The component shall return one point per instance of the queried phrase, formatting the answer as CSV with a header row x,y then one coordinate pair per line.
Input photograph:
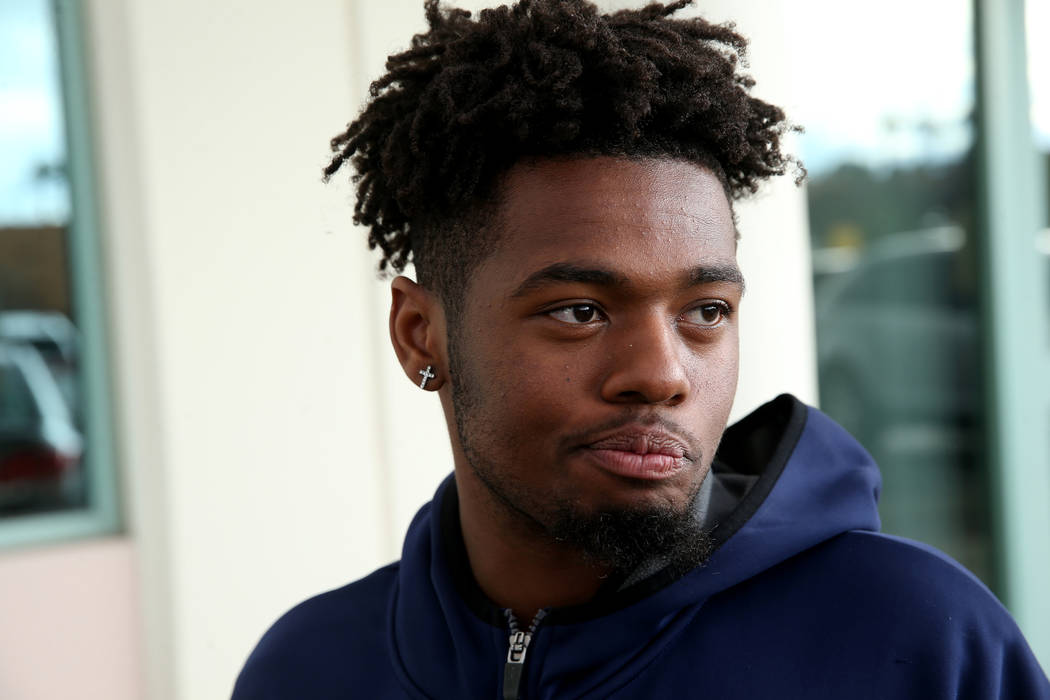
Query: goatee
x,y
628,539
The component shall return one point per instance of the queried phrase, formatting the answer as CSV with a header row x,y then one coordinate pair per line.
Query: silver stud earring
x,y
427,376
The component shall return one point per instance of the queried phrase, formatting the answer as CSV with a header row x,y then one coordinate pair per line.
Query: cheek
x,y
715,388
541,391
724,368
521,396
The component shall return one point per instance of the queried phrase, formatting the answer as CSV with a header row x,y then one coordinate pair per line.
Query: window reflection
x,y
891,199
1037,15
41,441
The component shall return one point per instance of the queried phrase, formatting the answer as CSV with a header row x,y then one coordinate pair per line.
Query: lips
x,y
640,453
642,443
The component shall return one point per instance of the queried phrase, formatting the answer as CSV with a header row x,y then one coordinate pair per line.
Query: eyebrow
x,y
569,272
708,274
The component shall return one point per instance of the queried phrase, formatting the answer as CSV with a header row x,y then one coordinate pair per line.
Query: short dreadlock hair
x,y
541,79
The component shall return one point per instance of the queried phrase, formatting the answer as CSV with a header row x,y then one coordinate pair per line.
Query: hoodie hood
x,y
796,479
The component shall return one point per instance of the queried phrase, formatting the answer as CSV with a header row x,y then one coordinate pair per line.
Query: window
x,y
890,146
1037,14
56,467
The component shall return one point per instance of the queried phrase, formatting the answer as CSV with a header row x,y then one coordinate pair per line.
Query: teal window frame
x,y
101,516
1016,313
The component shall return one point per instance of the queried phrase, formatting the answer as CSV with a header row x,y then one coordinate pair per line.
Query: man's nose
x,y
647,364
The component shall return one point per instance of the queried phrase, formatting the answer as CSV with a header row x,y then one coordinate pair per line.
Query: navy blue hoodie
x,y
802,598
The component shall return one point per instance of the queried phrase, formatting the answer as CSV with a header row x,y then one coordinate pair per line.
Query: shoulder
x,y
915,606
311,646
862,615
902,582
888,586
345,610
873,615
940,615
908,572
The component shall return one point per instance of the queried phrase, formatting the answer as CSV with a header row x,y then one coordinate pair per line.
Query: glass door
x,y
890,146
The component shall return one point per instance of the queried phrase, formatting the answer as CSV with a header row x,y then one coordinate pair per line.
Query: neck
x,y
517,565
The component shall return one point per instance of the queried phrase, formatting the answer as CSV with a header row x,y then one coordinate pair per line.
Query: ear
x,y
417,332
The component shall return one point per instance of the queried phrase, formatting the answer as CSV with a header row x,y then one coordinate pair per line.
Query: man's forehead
x,y
636,203
558,206
652,224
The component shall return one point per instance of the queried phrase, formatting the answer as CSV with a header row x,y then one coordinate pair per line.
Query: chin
x,y
624,537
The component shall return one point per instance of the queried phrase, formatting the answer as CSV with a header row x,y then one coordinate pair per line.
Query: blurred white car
x,y
898,336
56,339
40,448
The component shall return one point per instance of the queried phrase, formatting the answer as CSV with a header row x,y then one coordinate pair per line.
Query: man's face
x,y
595,361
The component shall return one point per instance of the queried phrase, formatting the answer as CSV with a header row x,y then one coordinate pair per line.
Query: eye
x,y
577,314
709,314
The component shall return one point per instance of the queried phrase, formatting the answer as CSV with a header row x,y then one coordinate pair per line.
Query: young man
x,y
562,181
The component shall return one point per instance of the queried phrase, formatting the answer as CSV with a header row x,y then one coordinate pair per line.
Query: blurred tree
x,y
874,203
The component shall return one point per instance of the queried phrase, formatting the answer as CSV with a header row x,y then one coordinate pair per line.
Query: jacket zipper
x,y
514,669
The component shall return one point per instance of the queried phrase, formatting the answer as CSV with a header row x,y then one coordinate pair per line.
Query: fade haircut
x,y
541,79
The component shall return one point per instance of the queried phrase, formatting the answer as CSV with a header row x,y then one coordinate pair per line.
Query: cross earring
x,y
427,376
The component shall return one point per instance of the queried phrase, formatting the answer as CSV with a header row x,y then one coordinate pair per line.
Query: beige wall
x,y
271,446
69,625
242,272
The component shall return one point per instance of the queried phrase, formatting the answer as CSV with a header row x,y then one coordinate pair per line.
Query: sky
x,y
882,84
31,131
892,82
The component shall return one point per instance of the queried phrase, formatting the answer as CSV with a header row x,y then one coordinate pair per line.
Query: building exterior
x,y
252,441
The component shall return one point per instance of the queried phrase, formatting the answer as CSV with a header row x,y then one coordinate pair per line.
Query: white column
x,y
243,320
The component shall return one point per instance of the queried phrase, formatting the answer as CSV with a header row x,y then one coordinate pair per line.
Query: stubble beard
x,y
621,538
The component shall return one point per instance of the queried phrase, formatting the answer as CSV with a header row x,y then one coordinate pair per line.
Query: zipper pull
x,y
514,669
515,666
